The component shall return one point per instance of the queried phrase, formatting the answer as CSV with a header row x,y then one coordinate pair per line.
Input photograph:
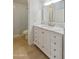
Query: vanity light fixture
x,y
50,2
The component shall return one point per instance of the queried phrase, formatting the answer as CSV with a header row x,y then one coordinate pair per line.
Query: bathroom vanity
x,y
49,40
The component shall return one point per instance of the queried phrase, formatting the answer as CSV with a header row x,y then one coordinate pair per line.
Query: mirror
x,y
53,14
47,14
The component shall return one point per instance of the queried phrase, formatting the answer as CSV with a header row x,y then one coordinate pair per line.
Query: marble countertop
x,y
52,28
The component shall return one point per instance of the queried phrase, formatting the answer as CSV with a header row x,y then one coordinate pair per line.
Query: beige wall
x,y
20,18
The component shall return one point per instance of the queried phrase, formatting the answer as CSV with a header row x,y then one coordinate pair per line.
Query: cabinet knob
x,y
42,46
54,43
54,49
42,32
54,36
54,56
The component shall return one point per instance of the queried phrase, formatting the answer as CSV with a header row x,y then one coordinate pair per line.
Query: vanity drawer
x,y
56,53
55,35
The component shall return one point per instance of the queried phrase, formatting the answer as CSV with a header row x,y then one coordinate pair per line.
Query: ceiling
x,y
21,1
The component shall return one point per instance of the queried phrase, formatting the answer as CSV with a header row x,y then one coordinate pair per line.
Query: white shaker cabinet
x,y
41,40
45,42
37,37
50,42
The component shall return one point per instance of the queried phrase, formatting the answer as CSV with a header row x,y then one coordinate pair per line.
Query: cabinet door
x,y
36,35
45,42
41,39
40,36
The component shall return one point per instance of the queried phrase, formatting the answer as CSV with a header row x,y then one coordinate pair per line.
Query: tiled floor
x,y
21,50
